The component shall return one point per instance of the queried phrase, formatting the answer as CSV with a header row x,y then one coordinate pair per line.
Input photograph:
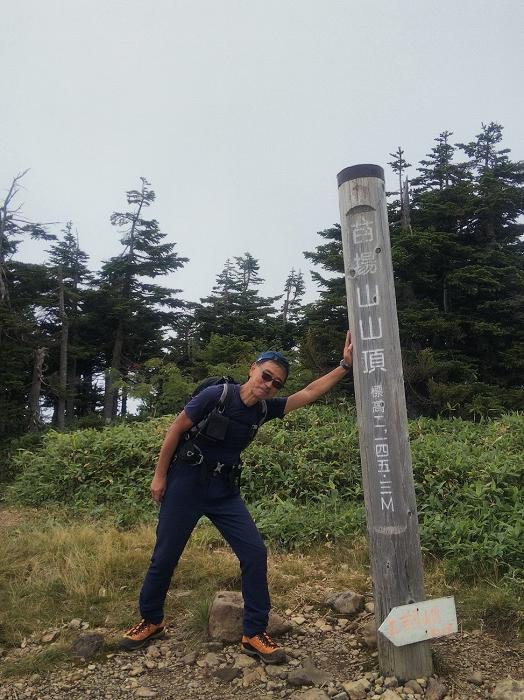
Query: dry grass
x,y
53,569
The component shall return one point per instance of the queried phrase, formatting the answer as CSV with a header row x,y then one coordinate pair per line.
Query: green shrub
x,y
468,480
9,467
309,454
94,471
302,481
293,525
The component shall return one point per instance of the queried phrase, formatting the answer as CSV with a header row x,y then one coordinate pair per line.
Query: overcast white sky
x,y
239,112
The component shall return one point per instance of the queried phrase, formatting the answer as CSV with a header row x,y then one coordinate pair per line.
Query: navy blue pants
x,y
185,501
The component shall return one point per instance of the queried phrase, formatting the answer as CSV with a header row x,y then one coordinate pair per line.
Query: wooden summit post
x,y
389,492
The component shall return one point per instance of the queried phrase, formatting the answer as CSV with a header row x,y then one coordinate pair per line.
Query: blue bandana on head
x,y
274,356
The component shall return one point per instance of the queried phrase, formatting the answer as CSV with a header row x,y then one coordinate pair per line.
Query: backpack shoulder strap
x,y
223,398
227,396
219,406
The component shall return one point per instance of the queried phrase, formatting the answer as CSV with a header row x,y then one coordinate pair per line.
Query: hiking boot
x,y
141,634
262,646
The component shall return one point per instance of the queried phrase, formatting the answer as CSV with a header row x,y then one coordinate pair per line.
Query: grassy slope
x,y
54,568
302,481
69,556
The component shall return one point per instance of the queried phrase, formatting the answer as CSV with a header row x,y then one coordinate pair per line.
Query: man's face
x,y
267,379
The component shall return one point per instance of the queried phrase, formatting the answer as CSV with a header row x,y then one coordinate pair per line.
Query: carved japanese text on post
x,y
365,260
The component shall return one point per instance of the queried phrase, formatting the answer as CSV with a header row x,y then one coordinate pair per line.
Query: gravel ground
x,y
327,656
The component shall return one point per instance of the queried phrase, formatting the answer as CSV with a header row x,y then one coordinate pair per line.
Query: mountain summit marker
x,y
387,477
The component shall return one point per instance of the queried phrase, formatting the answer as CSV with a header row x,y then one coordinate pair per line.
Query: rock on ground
x,y
508,690
331,656
390,695
436,690
345,602
308,674
86,646
312,694
225,618
357,690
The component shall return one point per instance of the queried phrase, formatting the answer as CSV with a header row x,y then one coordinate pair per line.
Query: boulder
x,y
390,695
225,618
308,674
345,602
311,694
253,676
369,634
357,690
190,658
49,637
415,687
227,674
436,690
476,678
391,682
210,659
86,646
244,661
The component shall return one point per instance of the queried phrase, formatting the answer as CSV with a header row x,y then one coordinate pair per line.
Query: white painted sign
x,y
407,624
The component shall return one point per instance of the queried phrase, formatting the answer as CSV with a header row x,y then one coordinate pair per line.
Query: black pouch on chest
x,y
216,427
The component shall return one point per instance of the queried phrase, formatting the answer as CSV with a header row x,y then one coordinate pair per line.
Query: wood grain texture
x,y
387,476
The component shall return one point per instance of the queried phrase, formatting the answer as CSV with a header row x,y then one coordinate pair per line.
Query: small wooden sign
x,y
407,624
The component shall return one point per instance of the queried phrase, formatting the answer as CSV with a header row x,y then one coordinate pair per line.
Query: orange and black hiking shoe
x,y
141,634
264,647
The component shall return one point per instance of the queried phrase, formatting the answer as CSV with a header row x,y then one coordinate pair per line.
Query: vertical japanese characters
x,y
364,265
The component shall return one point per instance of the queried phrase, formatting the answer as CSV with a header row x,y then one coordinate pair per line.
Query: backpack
x,y
213,426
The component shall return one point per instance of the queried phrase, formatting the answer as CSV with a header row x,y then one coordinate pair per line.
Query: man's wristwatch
x,y
344,366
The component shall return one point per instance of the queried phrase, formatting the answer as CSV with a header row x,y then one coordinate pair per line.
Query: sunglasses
x,y
267,377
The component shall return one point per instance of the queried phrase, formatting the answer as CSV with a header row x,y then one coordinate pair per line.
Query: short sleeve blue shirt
x,y
239,429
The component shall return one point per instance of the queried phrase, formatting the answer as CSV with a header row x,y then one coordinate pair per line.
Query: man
x,y
201,480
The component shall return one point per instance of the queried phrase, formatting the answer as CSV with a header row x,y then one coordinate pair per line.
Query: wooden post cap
x,y
363,170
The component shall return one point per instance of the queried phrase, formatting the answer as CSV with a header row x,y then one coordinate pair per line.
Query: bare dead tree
x,y
7,219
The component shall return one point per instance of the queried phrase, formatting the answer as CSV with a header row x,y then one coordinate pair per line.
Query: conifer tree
x,y
436,172
293,292
135,305
443,192
399,165
459,278
13,228
68,268
23,345
291,312
497,181
181,348
235,306
326,319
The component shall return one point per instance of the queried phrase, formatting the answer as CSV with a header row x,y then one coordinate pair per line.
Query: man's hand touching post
x,y
347,354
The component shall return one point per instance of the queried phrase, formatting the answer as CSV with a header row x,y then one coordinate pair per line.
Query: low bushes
x,y
97,472
302,481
